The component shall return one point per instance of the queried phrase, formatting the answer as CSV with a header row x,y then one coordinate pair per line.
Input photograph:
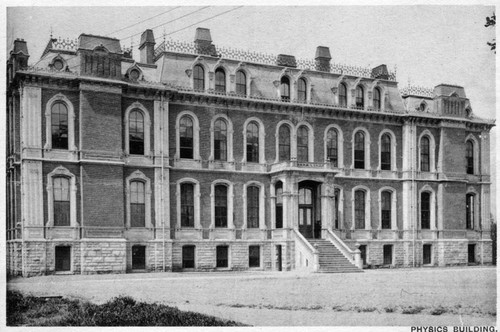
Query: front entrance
x,y
138,257
309,212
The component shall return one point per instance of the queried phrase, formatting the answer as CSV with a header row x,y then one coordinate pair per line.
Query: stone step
x,y
331,260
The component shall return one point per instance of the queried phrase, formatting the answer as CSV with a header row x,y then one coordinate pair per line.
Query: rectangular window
x,y
386,210
254,256
188,253
425,210
222,254
220,206
385,161
427,254
63,258
469,208
471,253
387,254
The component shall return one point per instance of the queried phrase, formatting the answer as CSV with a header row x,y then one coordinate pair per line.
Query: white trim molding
x,y
230,199
262,202
368,220
196,134
196,194
477,222
139,176
61,171
340,144
71,121
147,127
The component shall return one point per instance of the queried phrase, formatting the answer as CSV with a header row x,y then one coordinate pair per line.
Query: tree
x,y
490,22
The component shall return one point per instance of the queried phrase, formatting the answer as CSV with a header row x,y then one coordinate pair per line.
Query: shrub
x,y
438,311
412,310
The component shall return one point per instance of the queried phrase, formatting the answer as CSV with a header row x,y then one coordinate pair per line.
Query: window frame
x,y
302,156
340,144
393,215
360,100
392,150
262,202
141,177
356,152
342,95
61,171
367,210
251,189
218,87
196,201
60,98
196,135
262,135
302,81
229,201
136,106
285,95
197,79
238,85
58,222
259,248
432,146
470,210
279,143
377,102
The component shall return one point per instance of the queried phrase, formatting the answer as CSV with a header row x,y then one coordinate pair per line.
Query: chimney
x,y
203,42
323,58
380,72
147,47
19,54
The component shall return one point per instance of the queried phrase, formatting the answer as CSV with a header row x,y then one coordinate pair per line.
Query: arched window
x,y
253,142
301,90
342,95
186,137
59,126
198,78
360,98
284,143
253,207
359,150
220,140
376,99
332,147
424,154
359,209
241,83
285,89
385,152
386,201
137,204
220,80
425,210
470,157
220,206
187,205
302,144
279,204
136,132
469,208
61,201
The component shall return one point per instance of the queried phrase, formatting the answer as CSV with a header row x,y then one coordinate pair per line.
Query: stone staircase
x,y
331,260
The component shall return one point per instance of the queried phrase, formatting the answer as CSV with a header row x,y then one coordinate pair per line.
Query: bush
x,y
412,310
438,311
120,311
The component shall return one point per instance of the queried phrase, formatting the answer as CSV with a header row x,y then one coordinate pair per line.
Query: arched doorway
x,y
309,209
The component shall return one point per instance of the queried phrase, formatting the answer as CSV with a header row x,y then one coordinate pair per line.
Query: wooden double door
x,y
309,210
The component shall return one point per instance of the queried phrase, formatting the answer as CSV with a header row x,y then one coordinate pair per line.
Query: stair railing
x,y
354,256
309,253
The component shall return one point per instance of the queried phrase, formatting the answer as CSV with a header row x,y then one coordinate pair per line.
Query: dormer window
x,y
422,107
134,75
301,90
58,64
220,80
285,89
360,100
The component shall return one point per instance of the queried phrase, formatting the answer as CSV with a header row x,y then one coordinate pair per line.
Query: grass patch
x,y
120,311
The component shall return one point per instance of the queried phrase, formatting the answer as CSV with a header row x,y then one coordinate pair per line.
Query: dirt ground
x,y
462,296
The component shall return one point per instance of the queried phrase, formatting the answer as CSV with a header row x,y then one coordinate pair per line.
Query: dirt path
x,y
268,298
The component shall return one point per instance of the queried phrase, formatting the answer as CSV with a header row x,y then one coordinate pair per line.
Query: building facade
x,y
200,157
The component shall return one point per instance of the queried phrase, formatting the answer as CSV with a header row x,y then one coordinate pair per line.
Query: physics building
x,y
198,157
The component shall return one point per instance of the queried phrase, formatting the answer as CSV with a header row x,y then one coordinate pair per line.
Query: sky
x,y
428,45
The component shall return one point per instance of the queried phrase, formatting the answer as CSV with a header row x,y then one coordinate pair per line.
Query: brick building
x,y
200,157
